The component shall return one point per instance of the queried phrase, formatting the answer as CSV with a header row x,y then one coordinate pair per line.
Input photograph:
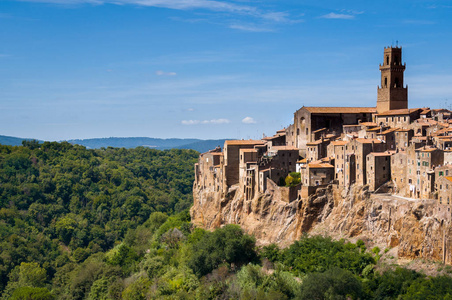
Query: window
x,y
384,168
441,173
387,59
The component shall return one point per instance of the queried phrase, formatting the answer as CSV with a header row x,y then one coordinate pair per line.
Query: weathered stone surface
x,y
380,219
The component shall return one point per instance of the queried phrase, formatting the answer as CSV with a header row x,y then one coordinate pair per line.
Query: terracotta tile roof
x,y
248,150
314,143
425,111
244,142
303,161
367,141
316,166
368,124
403,129
281,131
319,130
287,148
340,110
396,112
374,129
380,154
388,131
427,149
217,153
339,143
448,178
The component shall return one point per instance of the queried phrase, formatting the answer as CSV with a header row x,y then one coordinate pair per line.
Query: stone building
x,y
209,170
444,188
388,137
401,118
319,174
399,172
310,119
378,168
232,158
361,148
316,150
337,150
422,175
402,138
391,94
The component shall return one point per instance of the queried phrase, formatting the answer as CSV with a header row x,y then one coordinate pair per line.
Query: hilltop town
x,y
389,149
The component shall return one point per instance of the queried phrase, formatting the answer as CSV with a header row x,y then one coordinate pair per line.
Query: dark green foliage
x,y
225,245
318,254
334,283
271,252
431,288
392,283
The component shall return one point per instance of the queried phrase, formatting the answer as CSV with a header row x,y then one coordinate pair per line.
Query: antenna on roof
x,y
397,43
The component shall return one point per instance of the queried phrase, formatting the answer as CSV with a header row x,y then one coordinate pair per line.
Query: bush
x,y
334,283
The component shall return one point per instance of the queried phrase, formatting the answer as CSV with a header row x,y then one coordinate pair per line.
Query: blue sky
x,y
207,69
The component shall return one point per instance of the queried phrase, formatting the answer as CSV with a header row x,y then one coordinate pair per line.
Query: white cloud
x,y
190,122
249,120
162,73
338,16
250,28
213,121
212,5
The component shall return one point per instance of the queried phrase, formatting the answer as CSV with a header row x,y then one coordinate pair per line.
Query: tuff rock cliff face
x,y
413,227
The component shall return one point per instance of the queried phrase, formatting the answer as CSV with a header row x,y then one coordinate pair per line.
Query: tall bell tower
x,y
391,93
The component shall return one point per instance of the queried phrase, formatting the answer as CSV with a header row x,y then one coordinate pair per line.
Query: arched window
x,y
387,59
386,81
396,82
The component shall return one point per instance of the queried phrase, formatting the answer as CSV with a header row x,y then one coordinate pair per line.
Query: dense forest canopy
x,y
114,224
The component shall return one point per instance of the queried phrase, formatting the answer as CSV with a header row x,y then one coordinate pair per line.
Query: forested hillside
x,y
114,224
61,203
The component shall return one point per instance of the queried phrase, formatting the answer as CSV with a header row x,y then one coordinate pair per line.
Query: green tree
x,y
225,245
334,283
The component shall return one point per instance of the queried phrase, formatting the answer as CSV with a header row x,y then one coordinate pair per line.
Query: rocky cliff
x,y
416,228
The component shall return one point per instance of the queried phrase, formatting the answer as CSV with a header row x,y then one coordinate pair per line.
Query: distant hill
x,y
131,142
160,144
12,141
203,145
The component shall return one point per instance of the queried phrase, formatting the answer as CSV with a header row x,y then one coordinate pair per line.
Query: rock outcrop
x,y
414,227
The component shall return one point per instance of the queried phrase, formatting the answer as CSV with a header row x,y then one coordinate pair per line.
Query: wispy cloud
x,y
250,28
204,122
419,22
162,73
208,5
333,15
249,120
